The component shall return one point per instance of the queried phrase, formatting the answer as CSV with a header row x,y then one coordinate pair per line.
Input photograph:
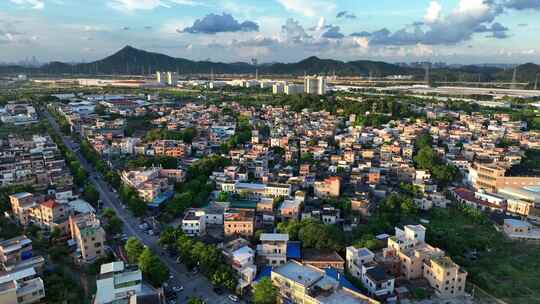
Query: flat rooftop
x,y
299,273
342,296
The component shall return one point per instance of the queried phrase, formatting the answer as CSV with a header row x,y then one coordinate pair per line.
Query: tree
x,y
137,206
133,248
168,236
151,266
114,225
108,213
193,300
224,277
264,292
90,194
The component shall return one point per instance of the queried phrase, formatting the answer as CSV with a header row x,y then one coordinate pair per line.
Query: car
x,y
178,260
218,290
234,298
178,288
171,277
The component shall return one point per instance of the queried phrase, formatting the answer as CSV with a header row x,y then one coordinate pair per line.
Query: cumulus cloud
x,y
212,24
470,17
332,32
523,4
293,31
35,4
433,12
346,15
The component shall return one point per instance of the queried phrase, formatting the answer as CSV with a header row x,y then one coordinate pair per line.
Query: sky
x,y
452,31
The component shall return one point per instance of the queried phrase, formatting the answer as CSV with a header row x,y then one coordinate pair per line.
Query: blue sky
x,y
455,31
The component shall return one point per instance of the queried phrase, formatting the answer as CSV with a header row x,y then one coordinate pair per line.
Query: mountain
x,y
133,61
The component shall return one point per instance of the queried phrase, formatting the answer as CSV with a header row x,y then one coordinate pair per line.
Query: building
x,y
117,282
15,250
445,276
18,114
315,85
257,191
46,215
273,248
330,187
194,222
238,222
242,258
323,259
152,185
290,209
89,237
492,177
21,286
521,230
293,89
355,258
278,88
167,78
298,283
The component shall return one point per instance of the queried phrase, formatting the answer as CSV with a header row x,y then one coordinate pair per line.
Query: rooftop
x,y
276,237
301,274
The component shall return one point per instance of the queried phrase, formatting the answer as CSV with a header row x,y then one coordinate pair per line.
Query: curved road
x,y
194,285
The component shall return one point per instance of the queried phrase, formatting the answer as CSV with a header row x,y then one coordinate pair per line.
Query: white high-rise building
x,y
167,78
278,88
315,85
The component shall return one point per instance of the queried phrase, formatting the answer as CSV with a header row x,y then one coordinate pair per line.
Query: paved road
x,y
194,285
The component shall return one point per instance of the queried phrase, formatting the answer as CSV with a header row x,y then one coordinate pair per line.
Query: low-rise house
x,y
153,185
323,259
273,248
242,259
15,250
21,286
290,209
521,230
194,222
330,187
238,222
117,282
298,283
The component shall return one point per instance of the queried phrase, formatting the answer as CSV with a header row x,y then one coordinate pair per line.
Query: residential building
x,y
21,286
238,222
242,259
298,283
257,191
116,282
323,259
315,85
89,237
330,187
15,250
194,222
273,248
445,276
153,184
521,230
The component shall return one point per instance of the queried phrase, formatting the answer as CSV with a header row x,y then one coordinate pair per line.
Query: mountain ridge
x,y
133,61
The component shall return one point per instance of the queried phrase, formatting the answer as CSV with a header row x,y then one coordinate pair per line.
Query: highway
x,y
195,285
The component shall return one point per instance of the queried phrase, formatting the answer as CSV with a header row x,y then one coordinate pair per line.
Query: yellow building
x,y
445,276
89,236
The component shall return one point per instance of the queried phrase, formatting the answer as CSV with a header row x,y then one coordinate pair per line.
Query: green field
x,y
508,270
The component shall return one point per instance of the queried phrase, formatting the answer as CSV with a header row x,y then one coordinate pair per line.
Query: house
x,y
242,259
15,250
445,276
521,230
290,209
238,222
194,222
355,258
330,187
117,282
273,248
377,281
22,286
323,259
299,283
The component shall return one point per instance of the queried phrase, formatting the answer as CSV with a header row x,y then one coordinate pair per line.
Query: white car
x,y
233,298
178,288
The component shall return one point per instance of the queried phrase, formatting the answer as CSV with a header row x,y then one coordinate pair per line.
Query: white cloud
x,y
433,13
35,4
308,8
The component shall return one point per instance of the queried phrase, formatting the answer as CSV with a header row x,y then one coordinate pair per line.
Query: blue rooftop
x,y
293,250
264,273
333,273
160,199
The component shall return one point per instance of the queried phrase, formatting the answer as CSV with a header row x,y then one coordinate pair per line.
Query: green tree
x,y
152,268
90,194
264,292
108,213
114,225
193,300
133,248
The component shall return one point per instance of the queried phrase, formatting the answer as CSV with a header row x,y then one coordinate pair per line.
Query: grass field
x,y
508,270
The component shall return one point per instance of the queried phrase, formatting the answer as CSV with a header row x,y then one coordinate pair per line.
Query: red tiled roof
x,y
468,195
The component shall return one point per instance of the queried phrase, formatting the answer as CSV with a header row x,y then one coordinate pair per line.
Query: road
x,y
194,285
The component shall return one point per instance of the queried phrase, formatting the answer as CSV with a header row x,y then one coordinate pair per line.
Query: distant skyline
x,y
453,31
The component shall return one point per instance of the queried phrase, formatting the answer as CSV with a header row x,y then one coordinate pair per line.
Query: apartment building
x,y
298,283
238,222
46,215
491,177
194,222
15,250
445,276
273,248
153,184
330,187
89,236
171,148
117,282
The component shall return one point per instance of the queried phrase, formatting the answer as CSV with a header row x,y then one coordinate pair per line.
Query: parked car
x,y
234,298
218,290
178,288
